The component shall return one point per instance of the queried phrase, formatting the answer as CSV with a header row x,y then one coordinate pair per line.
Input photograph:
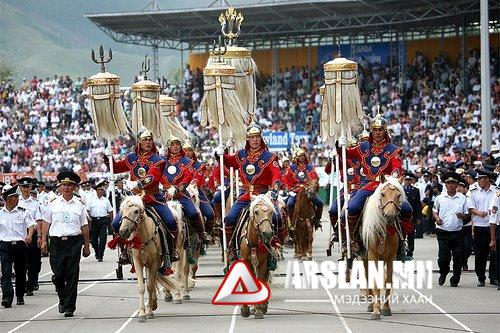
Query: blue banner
x,y
282,141
370,52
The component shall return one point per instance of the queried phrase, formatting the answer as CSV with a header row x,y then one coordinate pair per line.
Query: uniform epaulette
x,y
54,198
473,189
21,208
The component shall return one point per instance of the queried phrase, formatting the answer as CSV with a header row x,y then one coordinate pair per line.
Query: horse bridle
x,y
138,221
389,202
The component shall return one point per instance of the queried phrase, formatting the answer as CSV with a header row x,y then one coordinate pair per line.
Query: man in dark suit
x,y
413,197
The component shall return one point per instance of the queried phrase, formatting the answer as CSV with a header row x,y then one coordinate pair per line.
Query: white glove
x,y
332,154
292,193
108,152
343,141
171,191
220,150
230,143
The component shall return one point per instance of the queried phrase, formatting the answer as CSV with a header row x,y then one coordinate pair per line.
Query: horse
x,y
302,219
136,224
256,245
381,233
193,192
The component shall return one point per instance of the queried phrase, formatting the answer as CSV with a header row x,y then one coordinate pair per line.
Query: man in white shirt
x,y
450,212
101,213
495,232
479,205
65,220
16,231
34,256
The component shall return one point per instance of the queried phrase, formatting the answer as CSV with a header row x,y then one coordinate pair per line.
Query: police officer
x,y
479,204
65,221
101,213
495,232
34,256
413,197
14,222
450,212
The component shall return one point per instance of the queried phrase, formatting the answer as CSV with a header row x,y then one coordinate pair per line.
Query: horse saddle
x,y
166,237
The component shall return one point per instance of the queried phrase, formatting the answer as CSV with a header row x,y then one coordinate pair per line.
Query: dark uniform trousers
x,y
450,244
33,263
481,251
98,232
65,254
498,256
468,243
13,253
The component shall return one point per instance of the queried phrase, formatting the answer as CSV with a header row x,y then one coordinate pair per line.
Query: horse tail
x,y
168,283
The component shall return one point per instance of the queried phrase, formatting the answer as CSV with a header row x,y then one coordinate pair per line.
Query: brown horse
x,y
255,245
380,233
302,220
136,223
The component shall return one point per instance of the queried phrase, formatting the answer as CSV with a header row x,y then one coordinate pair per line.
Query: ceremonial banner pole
x,y
346,197
107,114
221,109
231,176
339,209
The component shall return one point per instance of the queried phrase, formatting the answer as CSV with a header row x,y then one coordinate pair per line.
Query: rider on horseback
x,y
198,169
176,177
145,166
299,173
378,157
355,176
259,173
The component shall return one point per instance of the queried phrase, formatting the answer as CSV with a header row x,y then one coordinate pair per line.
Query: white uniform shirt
x,y
32,205
13,224
99,207
447,207
495,218
421,185
481,200
66,218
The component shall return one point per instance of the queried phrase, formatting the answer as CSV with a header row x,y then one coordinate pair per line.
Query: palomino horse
x,y
137,224
193,192
302,220
256,245
380,233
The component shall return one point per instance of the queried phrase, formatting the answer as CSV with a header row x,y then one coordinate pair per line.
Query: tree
x,y
7,71
175,76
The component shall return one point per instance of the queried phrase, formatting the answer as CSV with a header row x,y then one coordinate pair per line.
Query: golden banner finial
x,y
230,22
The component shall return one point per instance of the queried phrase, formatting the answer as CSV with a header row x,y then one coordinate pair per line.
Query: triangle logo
x,y
240,287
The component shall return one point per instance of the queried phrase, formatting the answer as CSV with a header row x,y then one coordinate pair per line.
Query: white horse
x,y
147,253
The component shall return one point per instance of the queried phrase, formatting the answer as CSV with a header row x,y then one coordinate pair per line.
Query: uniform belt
x,y
256,188
152,191
352,187
13,242
375,179
99,218
65,238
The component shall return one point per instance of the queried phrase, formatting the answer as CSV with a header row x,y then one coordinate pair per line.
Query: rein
x,y
137,223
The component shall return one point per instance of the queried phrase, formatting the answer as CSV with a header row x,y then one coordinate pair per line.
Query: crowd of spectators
x,y
45,124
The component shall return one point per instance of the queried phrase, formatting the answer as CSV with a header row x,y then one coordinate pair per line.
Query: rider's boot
x,y
123,259
200,230
356,243
282,235
231,252
333,221
290,216
318,212
175,251
218,212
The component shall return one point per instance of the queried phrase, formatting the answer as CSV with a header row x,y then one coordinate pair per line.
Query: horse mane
x,y
132,200
374,222
261,198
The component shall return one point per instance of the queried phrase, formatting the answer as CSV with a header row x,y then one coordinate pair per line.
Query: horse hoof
x,y
386,312
375,316
186,298
177,301
264,308
168,298
142,319
258,315
150,315
369,308
245,311
252,311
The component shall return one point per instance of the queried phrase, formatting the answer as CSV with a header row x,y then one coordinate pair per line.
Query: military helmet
x,y
378,122
364,135
173,139
145,134
300,152
254,129
187,145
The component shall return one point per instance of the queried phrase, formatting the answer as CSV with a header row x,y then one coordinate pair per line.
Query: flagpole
x,y
339,209
346,198
223,200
